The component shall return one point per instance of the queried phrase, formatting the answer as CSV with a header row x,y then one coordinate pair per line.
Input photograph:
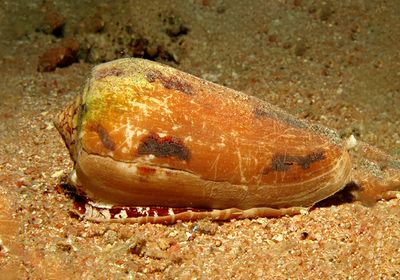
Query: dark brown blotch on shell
x,y
168,146
170,82
82,110
105,139
260,113
105,72
283,163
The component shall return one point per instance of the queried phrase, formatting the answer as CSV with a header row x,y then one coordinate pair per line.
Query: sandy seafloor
x,y
333,62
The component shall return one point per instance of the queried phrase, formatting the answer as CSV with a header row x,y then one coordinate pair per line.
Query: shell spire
x,y
66,123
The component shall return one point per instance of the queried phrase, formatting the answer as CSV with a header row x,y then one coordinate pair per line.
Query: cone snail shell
x,y
152,143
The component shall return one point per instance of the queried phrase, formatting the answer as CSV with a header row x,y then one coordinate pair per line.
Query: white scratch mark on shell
x,y
214,166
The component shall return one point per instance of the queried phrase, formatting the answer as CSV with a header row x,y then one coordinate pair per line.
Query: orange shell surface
x,y
148,134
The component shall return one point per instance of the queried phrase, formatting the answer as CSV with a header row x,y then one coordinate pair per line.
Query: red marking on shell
x,y
80,206
154,211
144,170
168,146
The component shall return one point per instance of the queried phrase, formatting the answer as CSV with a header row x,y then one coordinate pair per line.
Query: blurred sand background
x,y
333,62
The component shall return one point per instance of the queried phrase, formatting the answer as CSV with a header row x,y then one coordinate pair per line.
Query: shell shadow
x,y
346,195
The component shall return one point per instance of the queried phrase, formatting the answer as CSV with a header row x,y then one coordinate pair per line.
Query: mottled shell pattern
x,y
152,143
